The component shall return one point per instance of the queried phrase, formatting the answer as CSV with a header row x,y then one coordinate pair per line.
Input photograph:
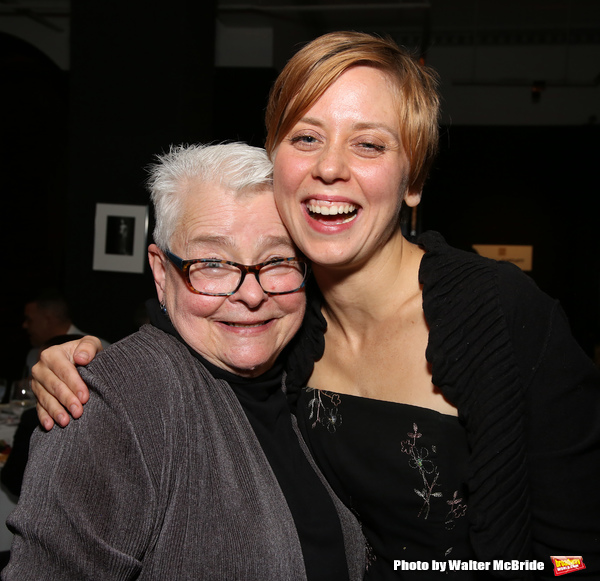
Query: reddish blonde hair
x,y
313,69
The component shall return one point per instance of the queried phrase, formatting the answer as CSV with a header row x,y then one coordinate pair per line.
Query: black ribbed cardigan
x,y
501,351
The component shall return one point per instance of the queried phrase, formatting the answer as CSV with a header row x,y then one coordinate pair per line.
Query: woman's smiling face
x,y
341,173
245,332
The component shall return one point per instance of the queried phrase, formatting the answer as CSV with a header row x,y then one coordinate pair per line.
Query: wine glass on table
x,y
21,395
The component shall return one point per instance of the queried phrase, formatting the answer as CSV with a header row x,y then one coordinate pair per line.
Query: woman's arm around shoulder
x,y
56,383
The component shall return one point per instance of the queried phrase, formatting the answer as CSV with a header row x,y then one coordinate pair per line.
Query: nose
x,y
250,292
332,164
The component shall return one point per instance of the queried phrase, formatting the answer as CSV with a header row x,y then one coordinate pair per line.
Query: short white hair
x,y
235,166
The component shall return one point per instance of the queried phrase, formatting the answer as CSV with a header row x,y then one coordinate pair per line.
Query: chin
x,y
327,253
248,370
250,358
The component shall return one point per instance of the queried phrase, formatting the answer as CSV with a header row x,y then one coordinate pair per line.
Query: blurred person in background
x,y
45,317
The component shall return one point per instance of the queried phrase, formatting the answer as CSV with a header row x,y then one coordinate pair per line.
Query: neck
x,y
373,290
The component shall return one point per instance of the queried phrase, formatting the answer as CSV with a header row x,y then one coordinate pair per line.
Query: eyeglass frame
x,y
184,267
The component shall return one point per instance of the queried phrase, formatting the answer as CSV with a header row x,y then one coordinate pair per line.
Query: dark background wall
x,y
140,80
33,187
132,94
533,186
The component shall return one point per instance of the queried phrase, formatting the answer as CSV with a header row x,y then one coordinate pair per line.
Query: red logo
x,y
564,565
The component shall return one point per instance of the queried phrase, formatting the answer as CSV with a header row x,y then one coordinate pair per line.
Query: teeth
x,y
330,209
244,326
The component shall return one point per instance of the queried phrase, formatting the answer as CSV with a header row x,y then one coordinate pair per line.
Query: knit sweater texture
x,y
161,478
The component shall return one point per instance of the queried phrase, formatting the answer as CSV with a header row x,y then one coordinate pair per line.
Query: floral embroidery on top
x,y
427,469
430,474
456,511
325,412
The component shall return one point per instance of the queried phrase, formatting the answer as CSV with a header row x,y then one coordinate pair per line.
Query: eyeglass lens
x,y
219,278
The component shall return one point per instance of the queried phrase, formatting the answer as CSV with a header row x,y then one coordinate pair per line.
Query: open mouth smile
x,y
339,212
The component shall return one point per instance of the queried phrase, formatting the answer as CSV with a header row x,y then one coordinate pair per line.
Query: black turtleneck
x,y
267,410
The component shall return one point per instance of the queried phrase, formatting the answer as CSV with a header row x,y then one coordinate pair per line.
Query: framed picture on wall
x,y
120,237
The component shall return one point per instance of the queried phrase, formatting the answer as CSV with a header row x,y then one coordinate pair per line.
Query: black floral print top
x,y
401,469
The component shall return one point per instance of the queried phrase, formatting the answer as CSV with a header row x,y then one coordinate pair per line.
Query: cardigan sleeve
x,y
86,507
562,429
502,352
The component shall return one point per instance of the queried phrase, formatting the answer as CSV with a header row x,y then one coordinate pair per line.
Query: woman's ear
x,y
158,264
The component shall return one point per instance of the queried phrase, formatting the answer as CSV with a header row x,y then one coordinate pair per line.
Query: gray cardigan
x,y
161,478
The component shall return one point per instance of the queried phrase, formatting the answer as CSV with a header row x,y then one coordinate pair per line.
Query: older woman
x,y
214,482
449,405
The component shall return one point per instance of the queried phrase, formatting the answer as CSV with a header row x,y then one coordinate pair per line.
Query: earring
x,y
163,308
